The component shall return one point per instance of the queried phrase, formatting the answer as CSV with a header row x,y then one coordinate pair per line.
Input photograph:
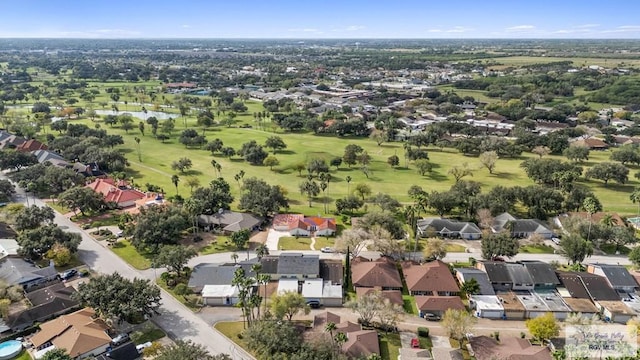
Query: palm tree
x,y
216,165
341,338
264,280
330,327
234,257
175,179
608,220
261,251
592,206
635,198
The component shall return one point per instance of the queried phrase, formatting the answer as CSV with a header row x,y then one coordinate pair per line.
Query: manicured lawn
x,y
324,242
221,245
425,342
232,329
389,346
537,249
24,355
455,248
149,333
57,207
409,305
292,243
128,253
611,249
157,157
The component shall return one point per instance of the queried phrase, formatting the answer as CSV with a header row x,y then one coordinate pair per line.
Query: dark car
x,y
68,274
314,304
431,317
120,339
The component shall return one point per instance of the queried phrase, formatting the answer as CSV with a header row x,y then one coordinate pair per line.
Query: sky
x,y
313,19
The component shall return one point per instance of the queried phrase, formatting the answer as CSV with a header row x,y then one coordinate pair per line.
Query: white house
x,y
486,306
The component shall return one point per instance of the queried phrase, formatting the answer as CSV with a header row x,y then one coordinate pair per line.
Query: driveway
x,y
273,237
175,319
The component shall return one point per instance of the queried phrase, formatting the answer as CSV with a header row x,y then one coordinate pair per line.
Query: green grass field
x,y
537,249
577,61
455,248
292,243
389,346
128,253
231,329
157,157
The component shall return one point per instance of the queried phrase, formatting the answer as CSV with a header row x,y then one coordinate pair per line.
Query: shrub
x,y
423,332
182,289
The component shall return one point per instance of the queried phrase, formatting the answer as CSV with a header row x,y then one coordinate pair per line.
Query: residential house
x,y
9,247
430,279
127,351
437,305
583,285
465,274
118,193
486,306
16,271
520,277
213,282
381,273
44,156
542,274
230,221
615,311
617,276
31,145
510,348
89,170
521,228
497,273
583,306
592,143
217,295
552,301
324,292
299,225
445,353
513,308
361,343
10,141
393,296
332,270
597,217
448,228
81,334
46,303
297,265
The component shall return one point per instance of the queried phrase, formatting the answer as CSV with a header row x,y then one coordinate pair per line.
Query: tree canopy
x,y
158,225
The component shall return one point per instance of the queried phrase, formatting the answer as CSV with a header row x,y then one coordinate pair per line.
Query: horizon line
x,y
302,38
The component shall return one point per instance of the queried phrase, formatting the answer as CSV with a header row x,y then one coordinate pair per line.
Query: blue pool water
x,y
9,349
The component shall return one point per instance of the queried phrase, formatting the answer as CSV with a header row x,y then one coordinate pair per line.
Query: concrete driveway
x,y
273,237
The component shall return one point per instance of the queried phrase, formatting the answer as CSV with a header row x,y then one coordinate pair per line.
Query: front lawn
x,y
389,346
192,301
323,242
128,253
610,249
537,249
149,333
455,248
233,330
292,243
221,244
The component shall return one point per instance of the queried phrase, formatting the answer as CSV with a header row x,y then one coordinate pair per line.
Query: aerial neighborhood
x,y
322,200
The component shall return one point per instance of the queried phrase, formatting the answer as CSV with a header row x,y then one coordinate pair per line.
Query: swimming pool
x,y
9,349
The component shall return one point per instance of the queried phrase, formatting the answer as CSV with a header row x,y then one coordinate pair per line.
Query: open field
x,y
128,253
157,157
577,61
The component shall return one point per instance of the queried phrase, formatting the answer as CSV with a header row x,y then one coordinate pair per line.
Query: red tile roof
x,y
509,348
434,276
112,193
321,223
31,145
298,224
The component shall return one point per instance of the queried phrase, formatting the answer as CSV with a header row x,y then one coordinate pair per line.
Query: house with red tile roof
x,y
432,278
31,145
119,193
299,225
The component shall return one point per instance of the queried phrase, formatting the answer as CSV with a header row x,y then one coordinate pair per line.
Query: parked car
x,y
314,304
120,339
431,317
415,343
556,240
68,274
328,250
143,346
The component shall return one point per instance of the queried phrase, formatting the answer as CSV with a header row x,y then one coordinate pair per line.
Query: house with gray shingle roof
x,y
617,276
448,228
542,274
521,228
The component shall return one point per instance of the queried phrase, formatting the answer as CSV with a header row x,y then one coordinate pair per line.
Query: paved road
x,y
176,320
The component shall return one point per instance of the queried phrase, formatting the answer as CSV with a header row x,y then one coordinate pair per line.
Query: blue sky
x,y
320,19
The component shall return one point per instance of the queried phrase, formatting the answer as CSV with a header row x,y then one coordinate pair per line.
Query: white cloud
x,y
520,28
623,29
185,26
306,30
355,27
453,30
586,26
